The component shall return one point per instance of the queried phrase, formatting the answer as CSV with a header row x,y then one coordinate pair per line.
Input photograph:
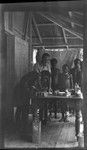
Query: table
x,y
72,100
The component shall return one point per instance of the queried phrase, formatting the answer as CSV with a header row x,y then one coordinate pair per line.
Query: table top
x,y
51,96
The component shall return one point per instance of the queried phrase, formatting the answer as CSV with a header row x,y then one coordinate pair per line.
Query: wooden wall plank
x,y
84,82
21,58
30,50
10,68
2,76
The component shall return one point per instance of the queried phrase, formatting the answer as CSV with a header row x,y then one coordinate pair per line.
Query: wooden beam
x,y
65,20
61,24
70,20
10,21
36,27
71,5
70,14
78,20
45,24
61,46
45,6
56,37
65,38
48,38
2,76
84,81
79,13
52,24
25,25
30,51
59,38
17,30
9,32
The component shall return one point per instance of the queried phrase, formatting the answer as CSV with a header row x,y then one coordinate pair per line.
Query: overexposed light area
x,y
34,56
81,54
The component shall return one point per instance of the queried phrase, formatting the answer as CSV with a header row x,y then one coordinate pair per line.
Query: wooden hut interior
x,y
57,28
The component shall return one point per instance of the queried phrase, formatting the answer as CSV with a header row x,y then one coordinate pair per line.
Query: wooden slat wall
x,y
85,77
17,48
10,68
2,76
16,63
21,58
30,48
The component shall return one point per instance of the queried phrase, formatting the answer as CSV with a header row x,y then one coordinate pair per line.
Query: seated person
x,y
66,84
23,92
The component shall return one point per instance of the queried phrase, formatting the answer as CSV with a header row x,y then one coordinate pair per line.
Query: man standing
x,y
66,84
44,70
55,84
77,73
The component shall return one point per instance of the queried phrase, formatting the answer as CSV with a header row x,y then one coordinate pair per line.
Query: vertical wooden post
x,y
84,82
1,133
10,75
30,52
2,75
10,21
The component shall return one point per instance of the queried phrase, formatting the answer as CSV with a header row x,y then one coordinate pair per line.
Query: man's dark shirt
x,y
66,81
55,75
45,80
77,76
24,90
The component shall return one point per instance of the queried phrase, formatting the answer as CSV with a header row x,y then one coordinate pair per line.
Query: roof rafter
x,y
61,24
70,14
70,20
10,21
65,38
65,18
37,29
58,46
45,24
79,13
26,22
60,38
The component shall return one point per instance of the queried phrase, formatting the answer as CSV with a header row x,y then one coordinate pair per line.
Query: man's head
x,y
77,63
65,68
45,58
53,62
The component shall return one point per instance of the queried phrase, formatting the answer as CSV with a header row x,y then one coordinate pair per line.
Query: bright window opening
x,y
34,56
